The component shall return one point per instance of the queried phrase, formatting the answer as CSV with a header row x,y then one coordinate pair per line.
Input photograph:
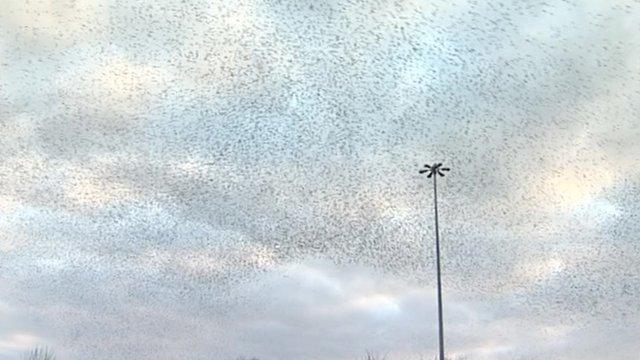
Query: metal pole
x,y
440,327
436,170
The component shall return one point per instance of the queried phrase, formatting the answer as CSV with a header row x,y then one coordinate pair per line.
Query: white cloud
x,y
312,118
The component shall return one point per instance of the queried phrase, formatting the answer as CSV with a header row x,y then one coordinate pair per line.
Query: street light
x,y
435,171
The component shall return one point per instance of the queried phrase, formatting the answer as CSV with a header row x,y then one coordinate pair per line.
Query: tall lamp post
x,y
435,171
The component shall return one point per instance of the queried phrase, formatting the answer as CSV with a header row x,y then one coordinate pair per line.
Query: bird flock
x,y
164,155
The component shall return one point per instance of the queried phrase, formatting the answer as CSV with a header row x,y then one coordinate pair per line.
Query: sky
x,y
225,179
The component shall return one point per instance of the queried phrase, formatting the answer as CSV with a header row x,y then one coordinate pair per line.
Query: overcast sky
x,y
215,179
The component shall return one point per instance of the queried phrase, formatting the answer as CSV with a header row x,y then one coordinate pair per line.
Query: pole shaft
x,y
440,322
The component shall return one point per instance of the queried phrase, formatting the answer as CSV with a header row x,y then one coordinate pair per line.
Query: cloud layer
x,y
200,178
